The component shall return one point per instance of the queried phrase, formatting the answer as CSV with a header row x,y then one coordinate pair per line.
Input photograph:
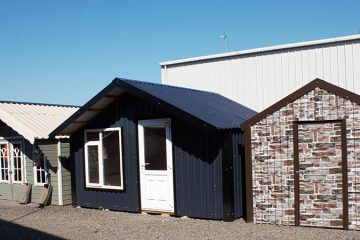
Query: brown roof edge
x,y
299,93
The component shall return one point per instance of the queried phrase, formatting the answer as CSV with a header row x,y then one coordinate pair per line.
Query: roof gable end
x,y
201,108
317,83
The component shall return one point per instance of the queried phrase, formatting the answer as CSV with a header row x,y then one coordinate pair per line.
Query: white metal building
x,y
257,78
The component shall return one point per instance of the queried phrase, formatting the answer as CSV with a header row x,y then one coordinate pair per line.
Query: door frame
x,y
13,162
162,122
343,167
10,148
9,181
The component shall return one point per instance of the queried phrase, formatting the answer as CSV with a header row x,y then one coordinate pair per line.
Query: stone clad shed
x,y
303,159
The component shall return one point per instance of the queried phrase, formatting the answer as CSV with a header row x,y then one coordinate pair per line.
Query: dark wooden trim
x,y
296,173
299,93
228,179
111,96
318,122
79,122
248,176
344,175
94,109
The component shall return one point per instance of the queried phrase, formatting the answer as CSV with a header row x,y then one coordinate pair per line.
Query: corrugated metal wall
x,y
198,172
239,178
197,157
260,79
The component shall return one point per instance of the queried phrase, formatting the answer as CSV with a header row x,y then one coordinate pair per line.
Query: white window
x,y
11,162
41,172
103,158
4,162
17,162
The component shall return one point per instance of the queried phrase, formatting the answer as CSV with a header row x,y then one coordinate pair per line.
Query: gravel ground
x,y
53,222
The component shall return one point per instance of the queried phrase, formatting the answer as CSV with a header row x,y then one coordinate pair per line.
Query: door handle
x,y
147,164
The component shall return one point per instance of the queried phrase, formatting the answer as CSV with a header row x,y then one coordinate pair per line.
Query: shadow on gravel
x,y
10,230
30,213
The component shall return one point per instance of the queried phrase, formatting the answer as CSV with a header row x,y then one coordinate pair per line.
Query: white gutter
x,y
264,49
59,175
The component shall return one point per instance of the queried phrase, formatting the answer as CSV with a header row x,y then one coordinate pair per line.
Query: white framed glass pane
x,y
93,163
155,148
4,161
40,171
17,163
111,158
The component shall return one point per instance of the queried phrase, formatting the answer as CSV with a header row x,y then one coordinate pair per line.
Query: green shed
x,y
28,156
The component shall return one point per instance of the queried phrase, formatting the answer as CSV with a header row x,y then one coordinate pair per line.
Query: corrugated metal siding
x,y
197,163
239,180
198,172
34,120
258,80
116,115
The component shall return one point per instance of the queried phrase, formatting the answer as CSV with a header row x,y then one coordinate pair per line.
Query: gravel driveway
x,y
53,222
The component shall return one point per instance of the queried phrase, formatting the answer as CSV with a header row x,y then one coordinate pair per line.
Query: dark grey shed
x,y
206,142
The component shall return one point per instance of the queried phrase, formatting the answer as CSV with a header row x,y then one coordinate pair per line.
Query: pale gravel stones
x,y
73,223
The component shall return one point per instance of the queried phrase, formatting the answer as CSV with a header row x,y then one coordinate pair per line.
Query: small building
x,y
144,147
303,159
29,156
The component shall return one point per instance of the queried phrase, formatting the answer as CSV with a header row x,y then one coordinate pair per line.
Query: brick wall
x,y
273,155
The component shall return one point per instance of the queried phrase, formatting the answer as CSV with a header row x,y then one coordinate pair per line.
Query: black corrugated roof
x,y
209,107
200,107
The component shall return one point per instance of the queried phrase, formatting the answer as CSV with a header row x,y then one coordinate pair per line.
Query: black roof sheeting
x,y
209,107
200,107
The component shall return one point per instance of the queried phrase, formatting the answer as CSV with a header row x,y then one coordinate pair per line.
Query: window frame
x,y
36,170
13,162
99,143
9,164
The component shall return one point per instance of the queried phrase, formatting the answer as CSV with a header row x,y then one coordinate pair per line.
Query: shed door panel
x,y
156,174
320,175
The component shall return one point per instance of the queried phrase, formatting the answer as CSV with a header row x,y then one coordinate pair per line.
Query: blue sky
x,y
66,51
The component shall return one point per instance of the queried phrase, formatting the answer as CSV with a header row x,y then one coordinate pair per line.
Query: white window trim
x,y
9,163
12,162
99,143
36,183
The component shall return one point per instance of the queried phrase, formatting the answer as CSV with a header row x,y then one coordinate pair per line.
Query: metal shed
x,y
303,159
259,77
175,150
24,130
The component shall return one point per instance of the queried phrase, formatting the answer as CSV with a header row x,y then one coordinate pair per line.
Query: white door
x,y
11,169
156,168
